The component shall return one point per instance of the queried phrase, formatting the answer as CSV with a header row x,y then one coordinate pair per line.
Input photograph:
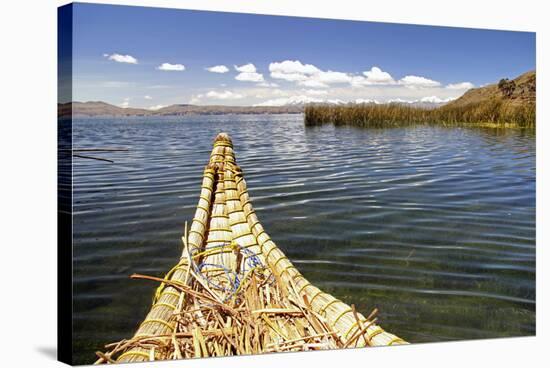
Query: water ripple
x,y
435,227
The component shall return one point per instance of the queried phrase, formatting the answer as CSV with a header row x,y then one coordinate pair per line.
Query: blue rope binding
x,y
252,261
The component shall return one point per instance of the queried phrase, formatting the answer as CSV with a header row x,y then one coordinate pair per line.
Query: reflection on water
x,y
433,226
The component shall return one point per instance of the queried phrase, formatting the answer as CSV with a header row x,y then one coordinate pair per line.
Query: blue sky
x,y
150,57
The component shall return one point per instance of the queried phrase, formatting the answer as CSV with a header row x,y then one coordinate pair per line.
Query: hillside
x,y
517,92
99,108
221,109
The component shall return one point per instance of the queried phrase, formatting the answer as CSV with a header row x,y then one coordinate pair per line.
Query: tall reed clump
x,y
486,113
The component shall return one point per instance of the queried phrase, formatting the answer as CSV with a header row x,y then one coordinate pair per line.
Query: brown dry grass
x,y
494,112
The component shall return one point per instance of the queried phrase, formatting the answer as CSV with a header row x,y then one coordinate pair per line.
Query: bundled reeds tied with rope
x,y
234,291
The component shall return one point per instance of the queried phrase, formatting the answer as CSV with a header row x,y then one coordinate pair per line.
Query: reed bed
x,y
234,291
494,112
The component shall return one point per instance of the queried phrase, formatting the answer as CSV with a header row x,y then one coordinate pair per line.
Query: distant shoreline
x,y
507,103
167,116
103,109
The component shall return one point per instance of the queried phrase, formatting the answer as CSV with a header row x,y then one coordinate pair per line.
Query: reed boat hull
x,y
235,292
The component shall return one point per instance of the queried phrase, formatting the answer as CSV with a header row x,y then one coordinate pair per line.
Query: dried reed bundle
x,y
234,291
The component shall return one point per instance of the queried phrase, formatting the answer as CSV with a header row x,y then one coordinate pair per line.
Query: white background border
x,y
28,178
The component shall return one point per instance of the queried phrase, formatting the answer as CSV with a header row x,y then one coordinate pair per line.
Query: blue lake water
x,y
433,226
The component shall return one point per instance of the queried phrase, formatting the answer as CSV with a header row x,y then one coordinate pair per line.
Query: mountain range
x,y
100,108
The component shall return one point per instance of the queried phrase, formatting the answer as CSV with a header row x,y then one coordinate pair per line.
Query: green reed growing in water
x,y
494,112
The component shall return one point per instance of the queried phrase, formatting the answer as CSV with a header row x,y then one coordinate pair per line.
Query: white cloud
x,y
324,79
195,99
292,100
315,92
267,93
129,59
250,77
224,95
147,97
248,73
218,69
291,77
330,77
416,81
309,75
359,81
246,68
215,95
295,71
435,99
171,67
306,75
376,76
292,67
126,103
313,83
156,107
462,85
253,94
267,84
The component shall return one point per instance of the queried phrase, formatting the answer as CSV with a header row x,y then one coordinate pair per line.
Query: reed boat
x,y
234,292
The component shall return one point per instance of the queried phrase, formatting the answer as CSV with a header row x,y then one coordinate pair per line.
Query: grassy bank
x,y
486,113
